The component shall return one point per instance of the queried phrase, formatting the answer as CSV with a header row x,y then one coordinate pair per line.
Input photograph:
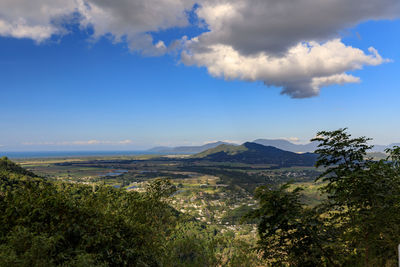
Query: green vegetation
x,y
12,170
180,211
356,225
47,223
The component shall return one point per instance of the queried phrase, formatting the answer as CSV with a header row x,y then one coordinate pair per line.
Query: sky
x,y
130,74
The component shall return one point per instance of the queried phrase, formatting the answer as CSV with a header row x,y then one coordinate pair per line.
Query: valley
x,y
214,193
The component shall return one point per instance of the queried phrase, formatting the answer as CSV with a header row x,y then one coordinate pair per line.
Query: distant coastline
x,y
64,154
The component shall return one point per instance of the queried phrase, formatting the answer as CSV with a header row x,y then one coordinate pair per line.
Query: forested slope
x,y
44,223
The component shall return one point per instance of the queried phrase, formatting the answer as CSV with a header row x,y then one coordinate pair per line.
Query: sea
x,y
69,154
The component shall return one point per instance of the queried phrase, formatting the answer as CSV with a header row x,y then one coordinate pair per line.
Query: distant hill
x,y
310,147
288,146
278,143
381,148
253,153
186,149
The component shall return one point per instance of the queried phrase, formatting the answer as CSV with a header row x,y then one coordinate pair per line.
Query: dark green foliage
x,y
357,225
191,245
235,216
11,173
46,224
194,244
7,167
43,223
289,232
363,197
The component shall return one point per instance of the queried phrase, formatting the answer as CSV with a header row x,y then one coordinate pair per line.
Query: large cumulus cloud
x,y
132,20
301,73
274,26
121,20
33,19
294,45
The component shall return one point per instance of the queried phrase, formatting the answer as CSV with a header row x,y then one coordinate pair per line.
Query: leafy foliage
x,y
104,227
44,223
357,225
7,167
289,232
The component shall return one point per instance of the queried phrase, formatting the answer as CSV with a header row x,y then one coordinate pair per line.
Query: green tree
x,y
289,232
48,224
160,189
357,225
363,197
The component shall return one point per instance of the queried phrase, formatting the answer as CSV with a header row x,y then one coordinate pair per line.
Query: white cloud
x,y
294,45
274,26
290,44
134,19
121,20
36,20
125,142
301,72
79,143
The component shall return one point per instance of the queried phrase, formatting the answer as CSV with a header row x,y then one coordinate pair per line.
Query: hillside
x,y
278,143
10,169
186,149
310,147
253,153
288,146
228,149
46,223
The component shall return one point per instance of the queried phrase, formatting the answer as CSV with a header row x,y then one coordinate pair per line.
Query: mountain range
x,y
185,149
288,146
278,143
382,148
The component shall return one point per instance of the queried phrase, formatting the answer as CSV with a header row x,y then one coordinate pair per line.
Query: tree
x,y
363,197
44,223
289,232
357,225
160,189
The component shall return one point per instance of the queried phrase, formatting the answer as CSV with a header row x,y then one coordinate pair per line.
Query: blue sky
x,y
73,92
